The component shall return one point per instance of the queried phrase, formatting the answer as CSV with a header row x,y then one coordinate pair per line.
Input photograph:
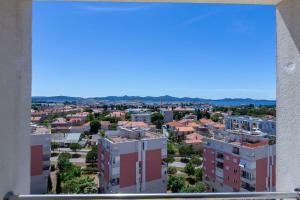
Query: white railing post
x,y
15,95
288,95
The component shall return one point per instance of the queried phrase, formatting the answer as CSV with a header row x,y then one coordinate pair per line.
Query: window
x,y
220,156
220,165
236,150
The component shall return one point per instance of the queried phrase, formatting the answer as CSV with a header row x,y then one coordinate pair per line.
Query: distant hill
x,y
150,99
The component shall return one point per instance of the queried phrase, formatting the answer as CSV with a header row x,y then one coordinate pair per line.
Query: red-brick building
x,y
130,160
239,161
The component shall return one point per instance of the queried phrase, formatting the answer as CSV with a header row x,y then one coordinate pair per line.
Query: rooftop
x,y
185,129
193,138
241,138
126,138
133,124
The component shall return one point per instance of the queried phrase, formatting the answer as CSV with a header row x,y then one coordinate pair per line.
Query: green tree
x,y
54,146
176,183
195,160
157,119
63,162
173,138
170,148
90,118
75,146
46,122
216,117
95,126
102,133
202,114
182,150
70,173
189,169
186,150
91,156
198,174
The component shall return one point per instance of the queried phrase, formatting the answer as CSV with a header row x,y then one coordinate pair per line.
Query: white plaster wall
x,y
15,99
39,184
288,95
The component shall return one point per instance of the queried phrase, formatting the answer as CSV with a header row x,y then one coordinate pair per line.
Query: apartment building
x,y
239,162
251,124
141,117
168,115
40,160
130,160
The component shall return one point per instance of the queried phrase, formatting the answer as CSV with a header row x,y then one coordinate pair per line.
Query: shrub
x,y
195,160
92,155
186,150
171,149
172,170
189,169
176,183
170,159
198,174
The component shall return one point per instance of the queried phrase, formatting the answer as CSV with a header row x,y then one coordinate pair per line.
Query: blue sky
x,y
152,49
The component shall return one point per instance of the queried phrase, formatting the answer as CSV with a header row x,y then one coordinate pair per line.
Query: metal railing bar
x,y
236,195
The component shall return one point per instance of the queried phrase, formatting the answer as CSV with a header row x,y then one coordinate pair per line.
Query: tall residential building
x,y
168,115
40,160
248,123
131,160
239,161
141,117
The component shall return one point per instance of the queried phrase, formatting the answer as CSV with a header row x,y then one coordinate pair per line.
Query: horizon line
x,y
153,97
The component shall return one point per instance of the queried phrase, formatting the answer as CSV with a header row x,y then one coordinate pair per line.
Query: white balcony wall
x,y
15,100
288,95
15,88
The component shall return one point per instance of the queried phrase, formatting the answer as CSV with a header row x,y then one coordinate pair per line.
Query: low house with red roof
x,y
195,140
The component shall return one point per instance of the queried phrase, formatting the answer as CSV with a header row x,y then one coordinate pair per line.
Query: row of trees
x,y
251,110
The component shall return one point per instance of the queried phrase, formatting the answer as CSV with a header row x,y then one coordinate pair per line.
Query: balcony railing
x,y
250,195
